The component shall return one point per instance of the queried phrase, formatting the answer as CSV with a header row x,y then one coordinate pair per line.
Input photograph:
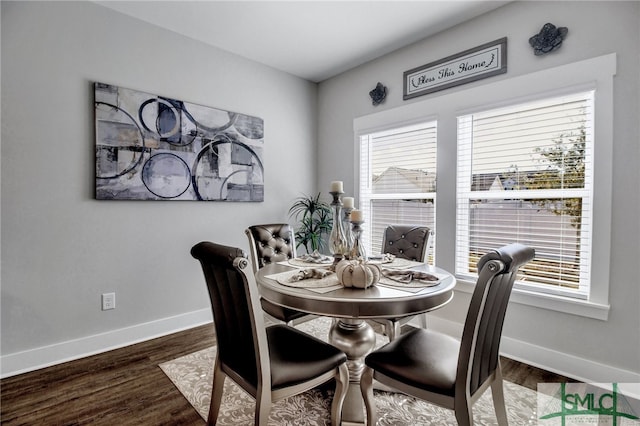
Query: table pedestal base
x,y
356,338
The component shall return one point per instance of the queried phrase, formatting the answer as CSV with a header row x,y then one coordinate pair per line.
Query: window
x,y
525,174
565,215
397,180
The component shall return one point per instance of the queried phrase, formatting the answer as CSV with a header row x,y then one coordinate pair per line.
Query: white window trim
x,y
595,73
388,130
464,196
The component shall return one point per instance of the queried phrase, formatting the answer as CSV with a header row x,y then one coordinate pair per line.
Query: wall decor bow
x,y
548,39
378,94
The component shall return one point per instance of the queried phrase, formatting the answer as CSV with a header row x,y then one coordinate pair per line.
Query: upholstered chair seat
x,y
445,371
269,363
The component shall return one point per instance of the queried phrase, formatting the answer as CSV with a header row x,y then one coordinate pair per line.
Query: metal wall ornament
x,y
548,39
378,94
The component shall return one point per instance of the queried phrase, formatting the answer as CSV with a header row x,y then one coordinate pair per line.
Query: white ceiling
x,y
314,40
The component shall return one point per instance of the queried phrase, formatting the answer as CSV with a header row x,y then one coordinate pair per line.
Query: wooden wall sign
x,y
474,64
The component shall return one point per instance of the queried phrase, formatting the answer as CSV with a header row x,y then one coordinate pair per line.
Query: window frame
x,y
465,143
397,196
594,73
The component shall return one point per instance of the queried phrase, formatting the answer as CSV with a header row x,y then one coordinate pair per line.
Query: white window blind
x,y
397,181
524,175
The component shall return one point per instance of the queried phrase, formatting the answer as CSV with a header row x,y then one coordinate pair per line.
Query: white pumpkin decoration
x,y
357,273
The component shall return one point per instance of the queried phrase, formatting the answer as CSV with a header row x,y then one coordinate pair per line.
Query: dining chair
x,y
271,243
260,359
409,242
443,370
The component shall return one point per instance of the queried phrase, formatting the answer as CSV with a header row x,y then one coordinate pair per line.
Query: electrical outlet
x,y
108,301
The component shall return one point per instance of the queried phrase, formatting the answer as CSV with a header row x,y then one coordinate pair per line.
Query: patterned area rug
x,y
193,375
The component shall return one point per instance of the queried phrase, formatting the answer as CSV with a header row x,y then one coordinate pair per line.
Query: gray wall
x,y
552,339
61,249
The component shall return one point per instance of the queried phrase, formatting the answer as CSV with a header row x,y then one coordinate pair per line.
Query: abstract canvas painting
x,y
150,147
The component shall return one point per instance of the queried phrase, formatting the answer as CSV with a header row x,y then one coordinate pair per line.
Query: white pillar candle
x,y
347,202
356,216
336,186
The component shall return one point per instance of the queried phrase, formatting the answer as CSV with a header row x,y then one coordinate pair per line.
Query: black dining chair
x,y
269,363
442,370
272,243
409,242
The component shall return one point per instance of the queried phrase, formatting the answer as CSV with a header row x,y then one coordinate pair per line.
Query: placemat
x,y
397,263
322,285
301,263
413,286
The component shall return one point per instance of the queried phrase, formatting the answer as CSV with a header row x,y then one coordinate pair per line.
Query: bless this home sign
x,y
473,64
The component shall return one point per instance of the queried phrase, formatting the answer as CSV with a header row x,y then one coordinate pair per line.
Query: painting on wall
x,y
151,147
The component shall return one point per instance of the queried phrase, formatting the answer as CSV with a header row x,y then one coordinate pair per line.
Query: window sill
x,y
583,308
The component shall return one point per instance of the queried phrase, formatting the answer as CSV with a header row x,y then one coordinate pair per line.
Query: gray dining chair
x,y
409,242
260,359
272,243
442,370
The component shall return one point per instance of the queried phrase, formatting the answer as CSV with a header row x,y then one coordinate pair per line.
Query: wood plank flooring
x,y
126,387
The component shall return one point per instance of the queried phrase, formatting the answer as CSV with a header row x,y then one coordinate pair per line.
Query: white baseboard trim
x,y
46,356
551,360
567,365
548,359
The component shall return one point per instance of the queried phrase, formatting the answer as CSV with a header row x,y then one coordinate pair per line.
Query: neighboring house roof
x,y
398,179
486,182
498,181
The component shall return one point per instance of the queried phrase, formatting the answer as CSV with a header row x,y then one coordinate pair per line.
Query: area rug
x,y
193,375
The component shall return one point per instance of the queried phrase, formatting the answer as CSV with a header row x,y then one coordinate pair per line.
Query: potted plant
x,y
315,217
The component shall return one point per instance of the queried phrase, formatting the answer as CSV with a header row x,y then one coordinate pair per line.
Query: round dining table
x,y
352,307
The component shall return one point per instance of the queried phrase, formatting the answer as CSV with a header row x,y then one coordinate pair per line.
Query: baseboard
x,y
46,356
551,360
567,365
548,359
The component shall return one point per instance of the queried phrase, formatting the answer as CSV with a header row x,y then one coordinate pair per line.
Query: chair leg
x,y
366,387
497,393
342,385
464,419
464,413
392,330
216,395
423,320
263,407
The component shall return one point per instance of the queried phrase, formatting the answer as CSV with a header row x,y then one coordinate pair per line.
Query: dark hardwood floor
x,y
126,387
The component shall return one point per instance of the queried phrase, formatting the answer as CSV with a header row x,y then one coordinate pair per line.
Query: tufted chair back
x,y
407,241
270,243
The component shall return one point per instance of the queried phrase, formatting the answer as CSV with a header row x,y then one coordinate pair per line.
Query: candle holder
x,y
357,249
338,245
346,225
